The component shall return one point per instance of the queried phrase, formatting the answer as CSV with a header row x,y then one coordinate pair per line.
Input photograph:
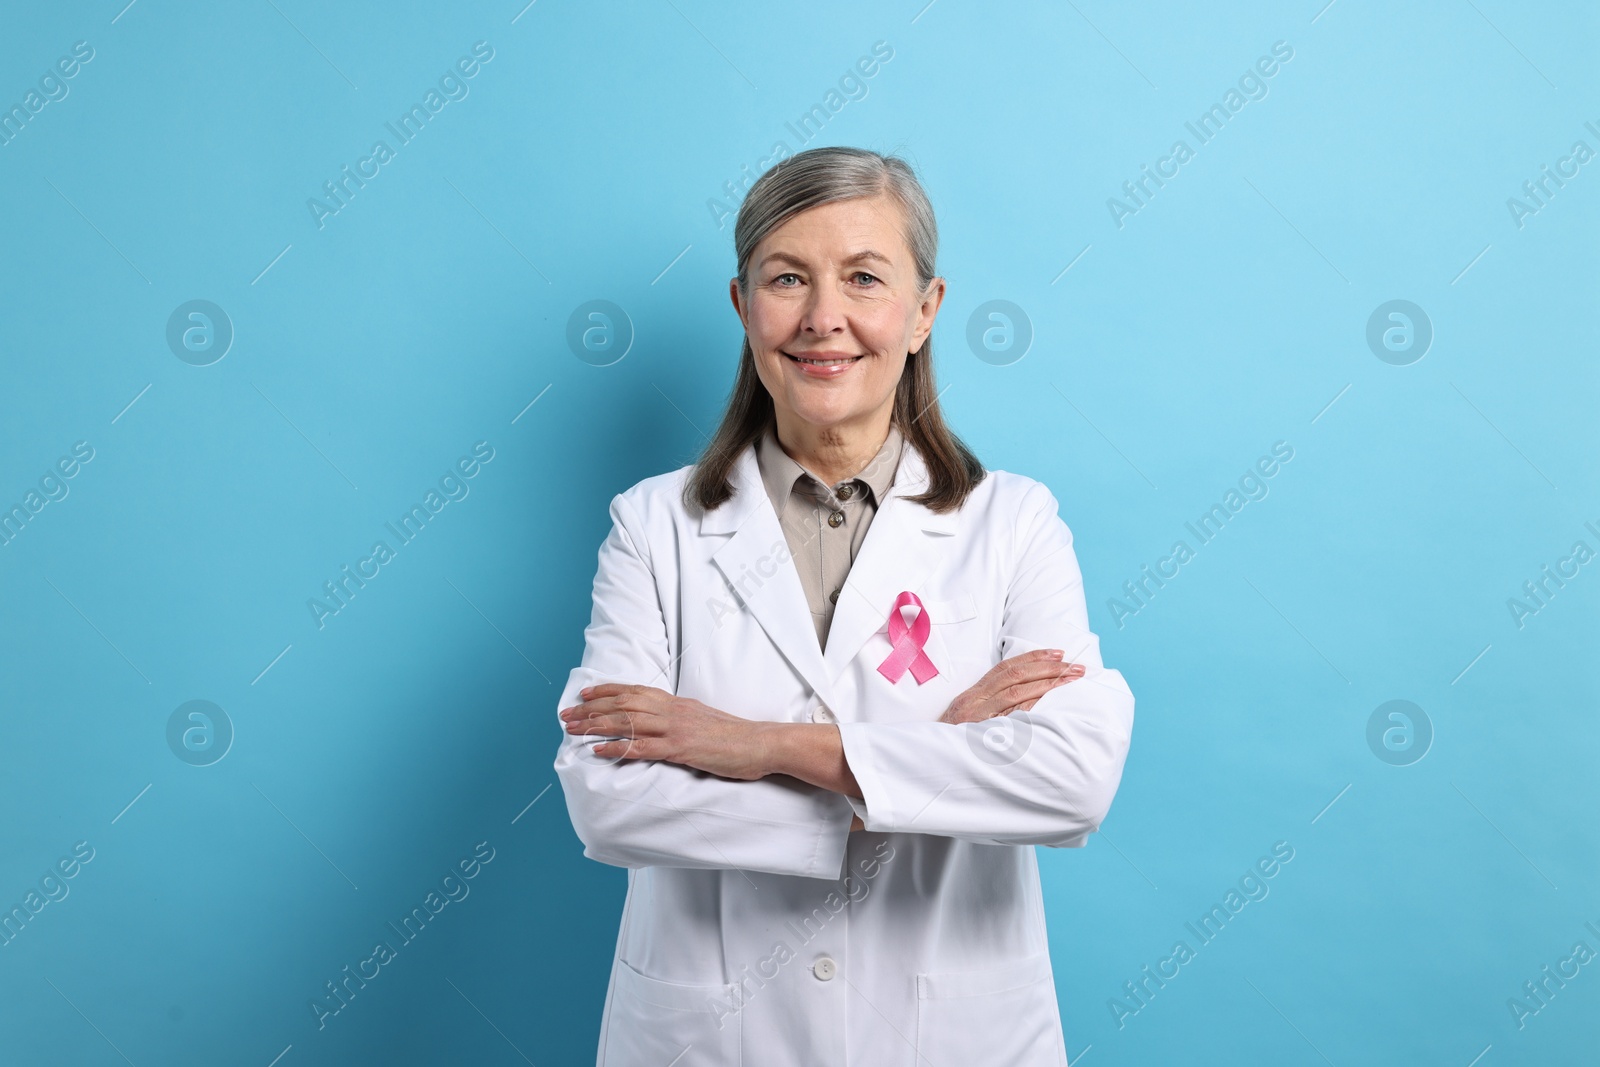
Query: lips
x,y
829,357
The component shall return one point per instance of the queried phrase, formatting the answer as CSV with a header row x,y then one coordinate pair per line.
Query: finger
x,y
1008,682
608,689
620,723
1051,669
1037,656
1013,695
1009,689
1071,676
618,703
627,748
978,712
1071,672
593,700
1042,683
1026,667
1026,705
1034,690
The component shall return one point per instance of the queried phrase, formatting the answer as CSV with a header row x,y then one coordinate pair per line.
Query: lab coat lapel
x,y
757,564
904,545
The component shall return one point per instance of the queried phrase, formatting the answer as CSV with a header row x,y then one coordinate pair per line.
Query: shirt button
x,y
845,491
836,518
833,597
825,968
822,713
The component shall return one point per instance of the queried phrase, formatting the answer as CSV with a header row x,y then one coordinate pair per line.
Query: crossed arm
x,y
662,794
656,725
652,724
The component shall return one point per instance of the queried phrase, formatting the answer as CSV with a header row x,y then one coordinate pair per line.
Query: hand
x,y
659,726
1014,684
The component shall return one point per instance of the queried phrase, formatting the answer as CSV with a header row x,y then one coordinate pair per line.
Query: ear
x,y
926,312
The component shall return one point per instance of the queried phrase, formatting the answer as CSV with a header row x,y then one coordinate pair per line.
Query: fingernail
x,y
1057,652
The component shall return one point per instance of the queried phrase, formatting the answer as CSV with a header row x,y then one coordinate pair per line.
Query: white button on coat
x,y
824,968
731,882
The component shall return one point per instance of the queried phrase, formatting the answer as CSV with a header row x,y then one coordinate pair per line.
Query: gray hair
x,y
820,176
810,179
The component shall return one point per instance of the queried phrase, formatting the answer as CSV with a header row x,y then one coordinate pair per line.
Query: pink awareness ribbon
x,y
908,642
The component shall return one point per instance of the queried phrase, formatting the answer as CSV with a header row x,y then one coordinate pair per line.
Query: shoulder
x,y
656,497
1013,494
1026,505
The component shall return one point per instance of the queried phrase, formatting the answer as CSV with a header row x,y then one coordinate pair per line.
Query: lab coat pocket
x,y
958,608
1006,1015
960,641
657,1023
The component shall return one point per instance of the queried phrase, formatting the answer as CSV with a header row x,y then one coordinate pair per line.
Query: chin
x,y
847,409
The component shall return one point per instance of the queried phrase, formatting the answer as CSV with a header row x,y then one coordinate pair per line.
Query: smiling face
x,y
835,282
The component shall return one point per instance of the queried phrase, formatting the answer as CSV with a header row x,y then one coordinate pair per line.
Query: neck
x,y
833,453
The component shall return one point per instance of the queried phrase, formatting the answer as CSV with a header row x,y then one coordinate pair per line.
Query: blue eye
x,y
864,274
780,278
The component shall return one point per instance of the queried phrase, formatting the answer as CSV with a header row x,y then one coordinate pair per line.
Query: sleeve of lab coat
x,y
1045,776
651,813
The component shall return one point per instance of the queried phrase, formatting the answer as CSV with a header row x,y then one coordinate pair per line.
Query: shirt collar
x,y
779,472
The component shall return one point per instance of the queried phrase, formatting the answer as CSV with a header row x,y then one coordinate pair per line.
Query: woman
x,y
830,749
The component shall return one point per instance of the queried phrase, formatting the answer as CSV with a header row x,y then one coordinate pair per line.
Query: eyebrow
x,y
860,257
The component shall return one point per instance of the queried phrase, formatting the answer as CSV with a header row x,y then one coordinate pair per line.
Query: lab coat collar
x,y
904,546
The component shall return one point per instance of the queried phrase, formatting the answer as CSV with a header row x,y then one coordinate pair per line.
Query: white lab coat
x,y
757,929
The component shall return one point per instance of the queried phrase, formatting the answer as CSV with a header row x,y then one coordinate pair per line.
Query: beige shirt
x,y
825,525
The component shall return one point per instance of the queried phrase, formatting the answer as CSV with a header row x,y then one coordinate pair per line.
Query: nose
x,y
824,311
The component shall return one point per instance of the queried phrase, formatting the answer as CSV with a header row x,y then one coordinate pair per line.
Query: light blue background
x,y
1229,313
